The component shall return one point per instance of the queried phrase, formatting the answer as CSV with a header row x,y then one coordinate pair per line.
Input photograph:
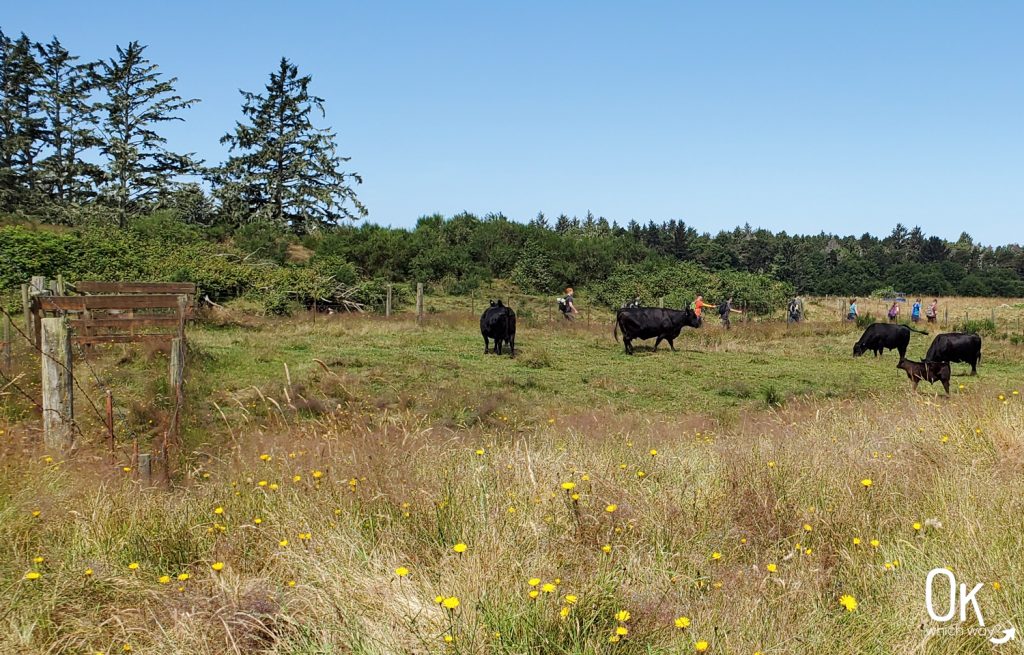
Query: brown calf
x,y
931,372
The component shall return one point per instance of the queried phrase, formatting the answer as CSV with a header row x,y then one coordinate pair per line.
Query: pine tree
x,y
21,123
140,170
286,170
70,125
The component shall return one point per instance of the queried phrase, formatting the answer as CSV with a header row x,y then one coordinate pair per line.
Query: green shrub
x,y
976,326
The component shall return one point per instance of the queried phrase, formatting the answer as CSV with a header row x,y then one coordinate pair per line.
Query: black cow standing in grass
x,y
956,347
652,322
884,336
498,322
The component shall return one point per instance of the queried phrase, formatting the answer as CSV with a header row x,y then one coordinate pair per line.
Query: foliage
x,y
140,168
285,170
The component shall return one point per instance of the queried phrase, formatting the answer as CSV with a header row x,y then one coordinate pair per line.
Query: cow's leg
x,y
512,346
497,345
914,382
486,346
628,344
656,342
945,385
974,367
671,345
903,352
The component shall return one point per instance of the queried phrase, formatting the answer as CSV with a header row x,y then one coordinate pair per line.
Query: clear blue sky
x,y
796,116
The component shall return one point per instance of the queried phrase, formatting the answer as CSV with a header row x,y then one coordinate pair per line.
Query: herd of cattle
x,y
498,323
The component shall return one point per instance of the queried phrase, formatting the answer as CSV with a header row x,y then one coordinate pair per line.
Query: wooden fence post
x,y
58,401
661,302
61,287
8,344
26,303
387,302
177,376
110,423
146,467
419,301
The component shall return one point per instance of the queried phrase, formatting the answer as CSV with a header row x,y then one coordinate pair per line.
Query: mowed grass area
x,y
725,496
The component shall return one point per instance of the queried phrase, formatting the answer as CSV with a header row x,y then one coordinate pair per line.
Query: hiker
x,y
567,305
894,312
698,306
915,311
795,310
724,310
933,311
852,314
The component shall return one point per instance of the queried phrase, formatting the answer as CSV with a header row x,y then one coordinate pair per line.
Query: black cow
x,y
956,347
882,336
930,372
498,322
648,322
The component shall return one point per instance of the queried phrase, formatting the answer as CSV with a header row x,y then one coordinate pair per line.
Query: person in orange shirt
x,y
698,305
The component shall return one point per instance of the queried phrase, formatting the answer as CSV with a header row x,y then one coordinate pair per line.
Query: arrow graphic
x,y
1008,635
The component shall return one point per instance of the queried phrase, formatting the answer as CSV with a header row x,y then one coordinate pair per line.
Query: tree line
x,y
81,141
81,144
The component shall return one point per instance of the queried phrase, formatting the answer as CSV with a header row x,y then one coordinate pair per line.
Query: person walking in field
x,y
724,310
852,314
915,311
894,312
568,305
933,311
698,306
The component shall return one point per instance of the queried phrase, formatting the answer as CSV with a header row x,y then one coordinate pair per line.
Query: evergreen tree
x,y
140,169
286,170
21,123
70,125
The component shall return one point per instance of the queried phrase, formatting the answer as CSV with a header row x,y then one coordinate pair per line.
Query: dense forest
x,y
90,187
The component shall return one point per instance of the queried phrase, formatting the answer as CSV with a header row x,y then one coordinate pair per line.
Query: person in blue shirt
x,y
915,311
852,314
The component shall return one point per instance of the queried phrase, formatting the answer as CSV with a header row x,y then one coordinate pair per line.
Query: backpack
x,y
723,309
562,305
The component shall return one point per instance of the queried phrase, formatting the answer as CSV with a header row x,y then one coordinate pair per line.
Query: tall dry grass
x,y
745,529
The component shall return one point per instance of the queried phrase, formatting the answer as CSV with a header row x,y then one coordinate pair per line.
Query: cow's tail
x,y
914,329
615,330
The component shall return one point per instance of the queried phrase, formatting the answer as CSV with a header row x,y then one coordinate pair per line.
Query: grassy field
x,y
362,485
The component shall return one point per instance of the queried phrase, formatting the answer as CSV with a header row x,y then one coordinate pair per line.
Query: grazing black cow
x,y
648,322
882,336
930,372
956,347
498,322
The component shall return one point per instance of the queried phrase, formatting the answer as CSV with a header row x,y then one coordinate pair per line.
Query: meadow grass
x,y
735,470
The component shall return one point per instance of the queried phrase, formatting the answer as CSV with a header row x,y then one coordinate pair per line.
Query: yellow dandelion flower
x,y
716,555
459,547
36,513
866,482
611,508
318,474
274,486
291,583
164,579
996,585
533,582
217,566
807,527
134,566
533,593
88,572
127,648
875,543
262,483
607,548
640,474
218,510
564,612
571,599
568,486
33,575
917,526
257,520
614,639
701,646
772,568
654,452
622,616
622,631
585,477
450,603
448,639
548,588
771,464
479,451
38,559
808,551
682,622
265,457
856,541
296,478
848,601
401,571
183,577
283,543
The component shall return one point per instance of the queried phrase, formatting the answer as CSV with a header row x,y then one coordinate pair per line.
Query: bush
x,y
976,326
262,240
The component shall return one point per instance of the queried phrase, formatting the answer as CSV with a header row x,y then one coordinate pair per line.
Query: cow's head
x,y
858,349
497,303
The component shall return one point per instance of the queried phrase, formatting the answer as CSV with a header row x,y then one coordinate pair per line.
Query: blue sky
x,y
796,116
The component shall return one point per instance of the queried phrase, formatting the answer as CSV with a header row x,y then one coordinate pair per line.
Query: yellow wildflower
x,y
682,622
401,571
849,602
